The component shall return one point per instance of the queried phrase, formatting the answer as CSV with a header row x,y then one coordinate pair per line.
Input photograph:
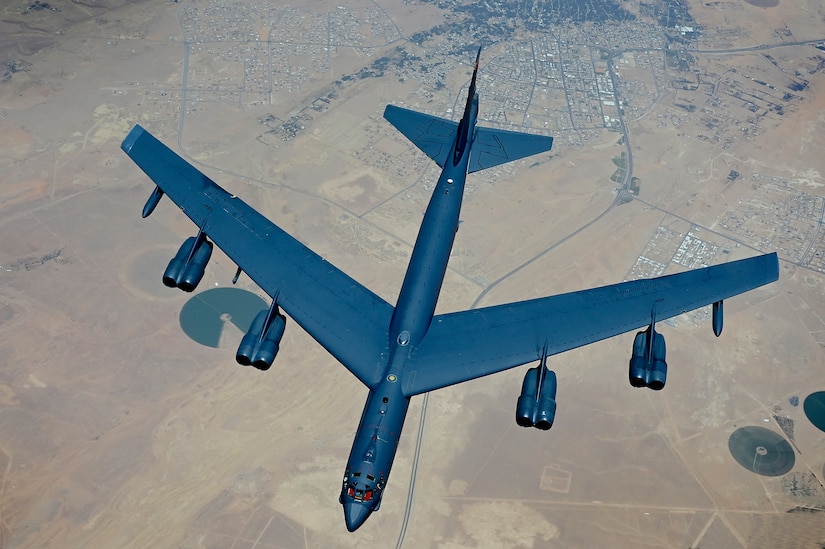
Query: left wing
x,y
347,319
470,344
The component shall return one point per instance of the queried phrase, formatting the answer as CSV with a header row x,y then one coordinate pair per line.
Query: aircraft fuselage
x,y
379,431
428,264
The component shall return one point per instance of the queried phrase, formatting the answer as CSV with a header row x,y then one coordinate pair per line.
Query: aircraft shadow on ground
x,y
205,315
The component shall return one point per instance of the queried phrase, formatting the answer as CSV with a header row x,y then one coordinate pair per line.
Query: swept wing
x,y
347,319
470,344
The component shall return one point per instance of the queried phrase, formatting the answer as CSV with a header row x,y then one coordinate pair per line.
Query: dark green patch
x,y
761,451
815,409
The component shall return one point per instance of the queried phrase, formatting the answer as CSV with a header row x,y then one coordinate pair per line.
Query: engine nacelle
x,y
260,345
526,404
657,375
647,364
186,269
638,361
546,409
536,407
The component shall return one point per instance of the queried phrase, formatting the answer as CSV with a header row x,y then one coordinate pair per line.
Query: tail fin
x,y
472,91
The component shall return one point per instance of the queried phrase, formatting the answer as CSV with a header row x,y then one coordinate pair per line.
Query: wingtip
x,y
131,138
389,110
773,266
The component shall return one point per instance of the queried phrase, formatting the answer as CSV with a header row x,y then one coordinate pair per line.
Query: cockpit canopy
x,y
360,495
361,487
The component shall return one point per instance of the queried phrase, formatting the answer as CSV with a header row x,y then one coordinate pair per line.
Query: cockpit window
x,y
361,491
359,495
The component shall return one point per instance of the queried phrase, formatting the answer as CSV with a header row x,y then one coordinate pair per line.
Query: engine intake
x,y
260,345
647,363
186,269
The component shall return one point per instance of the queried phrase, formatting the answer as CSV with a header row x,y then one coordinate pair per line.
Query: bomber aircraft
x,y
402,351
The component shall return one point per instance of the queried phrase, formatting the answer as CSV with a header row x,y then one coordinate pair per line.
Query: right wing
x,y
470,344
347,319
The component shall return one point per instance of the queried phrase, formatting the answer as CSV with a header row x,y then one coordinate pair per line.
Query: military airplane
x,y
406,350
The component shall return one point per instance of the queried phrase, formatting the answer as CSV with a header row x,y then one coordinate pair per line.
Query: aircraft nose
x,y
355,514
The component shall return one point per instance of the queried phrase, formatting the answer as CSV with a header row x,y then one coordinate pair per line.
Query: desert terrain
x,y
123,424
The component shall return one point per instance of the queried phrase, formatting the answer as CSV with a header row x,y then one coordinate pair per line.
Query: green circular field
x,y
761,451
204,317
815,409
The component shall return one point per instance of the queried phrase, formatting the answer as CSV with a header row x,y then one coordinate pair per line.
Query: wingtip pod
x,y
718,318
153,200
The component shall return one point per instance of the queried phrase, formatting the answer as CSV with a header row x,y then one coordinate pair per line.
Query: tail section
x,y
467,125
434,136
438,138
494,147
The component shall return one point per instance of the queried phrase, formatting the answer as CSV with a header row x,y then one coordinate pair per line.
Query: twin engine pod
x,y
647,364
261,343
186,269
536,407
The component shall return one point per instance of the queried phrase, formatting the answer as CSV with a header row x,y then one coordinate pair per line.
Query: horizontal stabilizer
x,y
494,147
434,136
